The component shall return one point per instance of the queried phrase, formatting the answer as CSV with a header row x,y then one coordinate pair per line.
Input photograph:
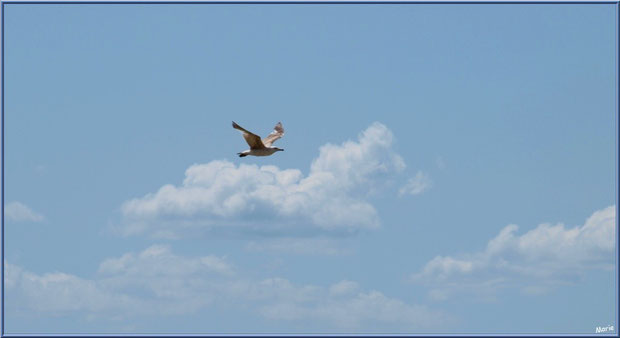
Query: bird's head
x,y
278,149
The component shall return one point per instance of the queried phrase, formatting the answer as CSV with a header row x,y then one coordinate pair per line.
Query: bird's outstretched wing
x,y
253,140
277,132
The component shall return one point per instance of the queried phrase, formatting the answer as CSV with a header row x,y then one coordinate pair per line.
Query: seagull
x,y
260,147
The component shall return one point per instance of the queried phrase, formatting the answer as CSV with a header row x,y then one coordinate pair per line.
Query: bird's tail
x,y
242,154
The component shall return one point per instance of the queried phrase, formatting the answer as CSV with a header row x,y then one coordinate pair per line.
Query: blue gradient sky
x,y
507,110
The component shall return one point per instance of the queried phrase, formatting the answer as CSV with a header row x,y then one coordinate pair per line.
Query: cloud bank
x,y
534,261
158,282
170,284
223,198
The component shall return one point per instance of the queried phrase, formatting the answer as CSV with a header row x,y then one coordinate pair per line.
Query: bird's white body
x,y
259,152
260,147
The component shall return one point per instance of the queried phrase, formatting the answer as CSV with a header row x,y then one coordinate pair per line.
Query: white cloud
x,y
181,284
442,268
167,284
358,312
18,212
59,293
340,307
416,185
158,260
345,287
221,197
157,282
545,255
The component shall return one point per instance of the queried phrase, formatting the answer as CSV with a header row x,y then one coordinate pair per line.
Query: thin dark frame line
x,y
307,2
304,335
617,113
2,154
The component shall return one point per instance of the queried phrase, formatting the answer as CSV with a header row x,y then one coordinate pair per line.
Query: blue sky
x,y
446,168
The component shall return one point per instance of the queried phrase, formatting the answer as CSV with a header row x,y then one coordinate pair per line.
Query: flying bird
x,y
260,147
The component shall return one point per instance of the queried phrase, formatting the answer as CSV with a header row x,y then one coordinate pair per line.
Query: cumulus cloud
x,y
372,311
222,198
168,283
18,212
59,293
416,185
158,282
158,260
533,261
341,307
345,287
